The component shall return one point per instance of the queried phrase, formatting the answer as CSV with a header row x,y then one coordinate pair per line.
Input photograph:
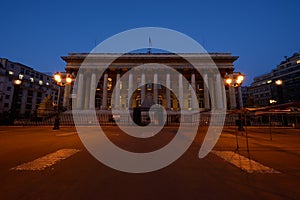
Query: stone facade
x,y
96,90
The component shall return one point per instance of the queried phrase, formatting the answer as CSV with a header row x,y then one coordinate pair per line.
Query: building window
x,y
29,100
5,105
28,106
7,96
189,103
8,88
38,101
97,103
201,103
30,93
138,101
200,86
160,100
11,72
21,76
149,86
109,84
298,61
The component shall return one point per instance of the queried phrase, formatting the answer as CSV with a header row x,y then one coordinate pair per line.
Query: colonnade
x,y
214,95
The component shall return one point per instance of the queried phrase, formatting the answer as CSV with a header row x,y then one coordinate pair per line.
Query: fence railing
x,y
106,118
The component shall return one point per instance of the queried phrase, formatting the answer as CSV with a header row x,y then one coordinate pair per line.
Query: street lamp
x,y
279,90
60,83
13,110
17,82
278,98
235,80
278,82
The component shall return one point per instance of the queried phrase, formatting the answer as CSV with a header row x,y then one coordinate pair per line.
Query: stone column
x,y
130,88
219,93
80,92
117,90
87,81
206,92
93,91
104,92
143,87
67,96
212,92
193,82
168,92
180,90
240,97
155,93
224,95
232,97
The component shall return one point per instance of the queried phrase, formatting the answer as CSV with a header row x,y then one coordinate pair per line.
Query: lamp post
x,y
60,83
235,80
13,110
278,84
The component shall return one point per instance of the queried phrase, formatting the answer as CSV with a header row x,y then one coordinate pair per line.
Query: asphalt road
x,y
81,176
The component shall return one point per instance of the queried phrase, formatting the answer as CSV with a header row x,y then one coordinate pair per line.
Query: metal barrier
x,y
106,118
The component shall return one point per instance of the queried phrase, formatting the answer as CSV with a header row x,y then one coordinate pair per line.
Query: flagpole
x,y
149,45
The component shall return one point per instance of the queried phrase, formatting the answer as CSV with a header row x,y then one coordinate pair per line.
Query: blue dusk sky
x,y
261,33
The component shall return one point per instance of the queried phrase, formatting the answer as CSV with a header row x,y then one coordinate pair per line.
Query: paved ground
x,y
73,174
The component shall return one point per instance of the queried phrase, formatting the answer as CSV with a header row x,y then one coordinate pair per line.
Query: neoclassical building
x,y
150,82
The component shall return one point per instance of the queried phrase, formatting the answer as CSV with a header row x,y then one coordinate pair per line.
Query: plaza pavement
x,y
80,176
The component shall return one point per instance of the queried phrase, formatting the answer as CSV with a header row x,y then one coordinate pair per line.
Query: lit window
x,y
109,85
298,61
21,76
31,79
11,73
40,82
47,83
269,81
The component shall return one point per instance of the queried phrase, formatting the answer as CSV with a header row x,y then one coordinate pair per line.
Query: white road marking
x,y
244,163
66,134
47,160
